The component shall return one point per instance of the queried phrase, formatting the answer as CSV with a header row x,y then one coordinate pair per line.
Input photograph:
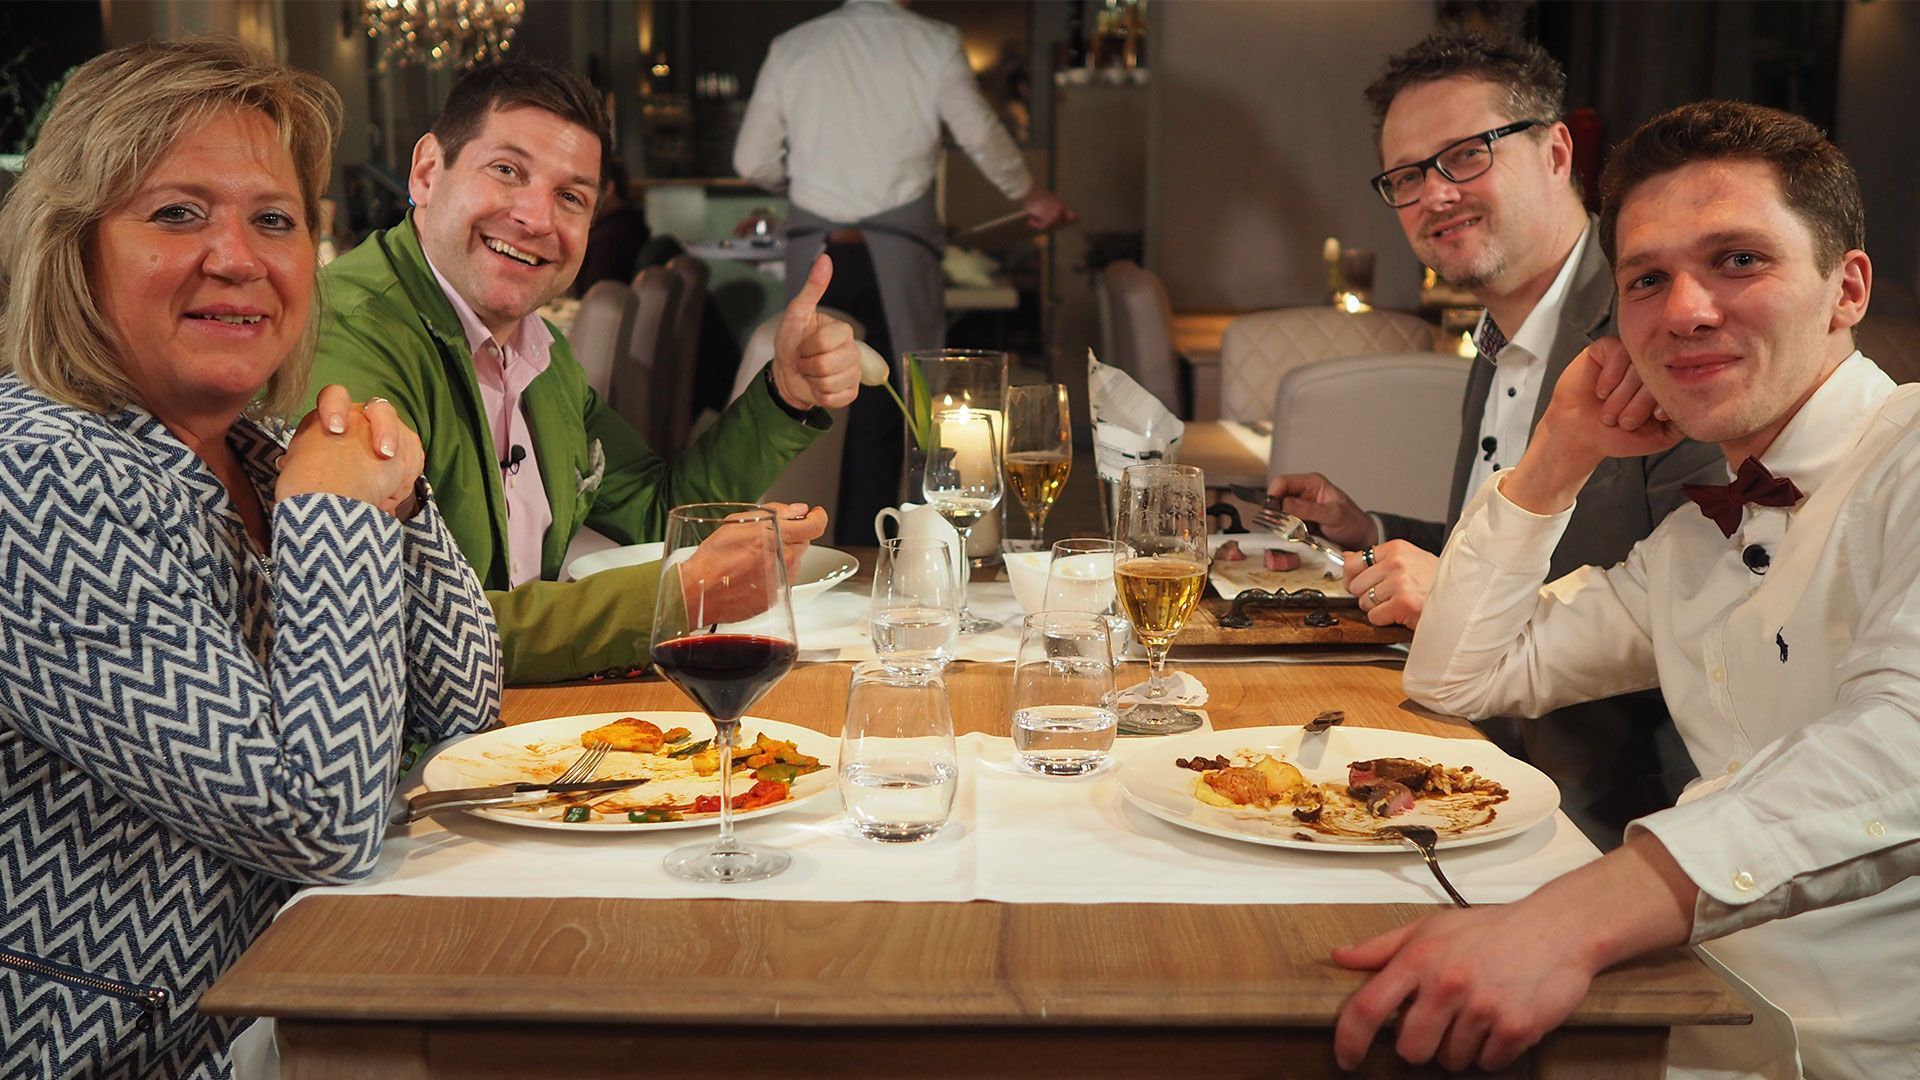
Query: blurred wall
x,y
1878,83
1260,147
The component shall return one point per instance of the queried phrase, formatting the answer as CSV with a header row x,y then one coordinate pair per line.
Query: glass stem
x,y
1037,525
966,572
1156,670
723,734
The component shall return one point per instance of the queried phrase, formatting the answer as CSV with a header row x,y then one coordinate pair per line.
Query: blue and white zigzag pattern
x,y
185,732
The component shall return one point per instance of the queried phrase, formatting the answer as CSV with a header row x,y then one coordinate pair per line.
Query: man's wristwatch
x,y
416,500
773,388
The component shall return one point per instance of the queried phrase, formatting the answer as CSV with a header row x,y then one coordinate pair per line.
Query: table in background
x,y
410,986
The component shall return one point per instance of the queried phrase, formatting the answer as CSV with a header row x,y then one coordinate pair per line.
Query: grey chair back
x,y
1137,327
1384,428
656,290
1257,350
601,332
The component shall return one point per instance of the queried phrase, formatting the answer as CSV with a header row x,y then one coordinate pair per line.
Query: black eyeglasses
x,y
1458,162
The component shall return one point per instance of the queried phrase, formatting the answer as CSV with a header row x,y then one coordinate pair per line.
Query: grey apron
x,y
906,244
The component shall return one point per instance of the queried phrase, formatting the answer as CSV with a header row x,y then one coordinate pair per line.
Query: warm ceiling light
x,y
441,33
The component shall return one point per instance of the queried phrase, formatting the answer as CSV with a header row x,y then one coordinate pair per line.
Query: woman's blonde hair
x,y
118,115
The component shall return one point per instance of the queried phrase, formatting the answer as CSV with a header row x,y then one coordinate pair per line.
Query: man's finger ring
x,y
372,401
1367,556
1372,600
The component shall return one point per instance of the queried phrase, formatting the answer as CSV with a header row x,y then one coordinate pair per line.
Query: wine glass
x,y
1163,522
1039,451
915,612
723,633
962,481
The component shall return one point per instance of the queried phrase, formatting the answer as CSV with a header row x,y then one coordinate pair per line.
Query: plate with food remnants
x,y
776,767
1337,789
1261,560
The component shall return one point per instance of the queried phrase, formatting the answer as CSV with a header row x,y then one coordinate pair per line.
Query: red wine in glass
x,y
724,673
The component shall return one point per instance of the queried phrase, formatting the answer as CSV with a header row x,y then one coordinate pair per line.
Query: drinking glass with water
x,y
916,600
898,767
1063,718
1080,578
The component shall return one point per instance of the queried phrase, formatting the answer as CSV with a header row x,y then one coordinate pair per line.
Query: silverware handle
x,y
436,802
1433,864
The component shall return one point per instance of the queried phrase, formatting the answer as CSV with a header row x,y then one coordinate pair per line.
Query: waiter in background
x,y
845,116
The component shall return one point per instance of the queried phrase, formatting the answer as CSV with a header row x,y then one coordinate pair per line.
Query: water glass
x,y
916,600
1080,577
899,771
1063,717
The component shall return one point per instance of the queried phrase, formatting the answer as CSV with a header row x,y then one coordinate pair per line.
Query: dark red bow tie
x,y
1752,484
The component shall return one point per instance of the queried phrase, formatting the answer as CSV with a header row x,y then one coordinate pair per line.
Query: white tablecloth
x,y
1013,837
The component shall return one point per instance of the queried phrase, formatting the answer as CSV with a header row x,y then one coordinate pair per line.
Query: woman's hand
x,y
362,452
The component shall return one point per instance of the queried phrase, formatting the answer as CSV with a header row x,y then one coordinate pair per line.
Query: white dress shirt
x,y
1797,692
856,98
1519,370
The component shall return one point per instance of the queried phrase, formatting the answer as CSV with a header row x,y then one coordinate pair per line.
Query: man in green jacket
x,y
437,316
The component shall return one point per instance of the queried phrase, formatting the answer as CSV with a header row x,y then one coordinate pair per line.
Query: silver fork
x,y
1288,527
1423,839
583,769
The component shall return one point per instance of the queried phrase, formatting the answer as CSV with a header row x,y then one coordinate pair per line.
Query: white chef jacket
x,y
1797,692
1519,369
857,97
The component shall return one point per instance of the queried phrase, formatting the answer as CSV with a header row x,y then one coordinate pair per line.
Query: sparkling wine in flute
x,y
1037,477
1159,594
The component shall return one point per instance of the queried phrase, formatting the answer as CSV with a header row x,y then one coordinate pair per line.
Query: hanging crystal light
x,y
441,34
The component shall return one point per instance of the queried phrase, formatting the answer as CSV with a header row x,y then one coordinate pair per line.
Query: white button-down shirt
x,y
1797,692
856,98
1519,369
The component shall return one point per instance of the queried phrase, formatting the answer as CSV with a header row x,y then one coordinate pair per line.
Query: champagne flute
x,y
1163,522
962,482
723,633
1039,451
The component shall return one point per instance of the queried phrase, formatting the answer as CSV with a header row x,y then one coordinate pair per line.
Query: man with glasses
x,y
1479,169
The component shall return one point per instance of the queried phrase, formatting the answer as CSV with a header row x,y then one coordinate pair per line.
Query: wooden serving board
x,y
1287,626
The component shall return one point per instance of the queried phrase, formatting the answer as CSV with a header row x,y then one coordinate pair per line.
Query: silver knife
x,y
434,802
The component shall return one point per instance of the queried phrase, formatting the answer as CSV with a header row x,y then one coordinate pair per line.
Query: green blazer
x,y
388,331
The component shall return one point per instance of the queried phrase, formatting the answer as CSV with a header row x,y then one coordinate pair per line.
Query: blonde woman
x,y
216,636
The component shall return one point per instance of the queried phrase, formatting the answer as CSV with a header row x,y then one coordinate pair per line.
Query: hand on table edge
x,y
1481,986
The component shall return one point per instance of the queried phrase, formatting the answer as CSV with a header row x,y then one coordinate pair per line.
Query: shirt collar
x,y
1825,430
1535,336
530,338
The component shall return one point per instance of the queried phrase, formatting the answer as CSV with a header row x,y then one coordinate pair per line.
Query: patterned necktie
x,y
1489,340
1752,484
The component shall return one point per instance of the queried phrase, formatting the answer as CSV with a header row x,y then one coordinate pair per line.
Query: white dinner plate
x,y
508,755
1151,780
820,569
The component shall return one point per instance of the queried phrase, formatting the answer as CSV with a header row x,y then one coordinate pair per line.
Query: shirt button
x,y
1513,391
1874,828
1719,675
1743,881
1733,767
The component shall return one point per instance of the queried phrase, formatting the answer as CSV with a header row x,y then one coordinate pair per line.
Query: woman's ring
x,y
1372,600
1367,556
372,401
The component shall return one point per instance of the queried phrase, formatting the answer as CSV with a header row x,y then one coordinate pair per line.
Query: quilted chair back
x,y
1257,350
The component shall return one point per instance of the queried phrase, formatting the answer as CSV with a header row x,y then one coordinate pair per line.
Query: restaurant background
x,y
1218,143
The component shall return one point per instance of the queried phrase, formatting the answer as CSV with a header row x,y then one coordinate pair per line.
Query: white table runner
x,y
1013,837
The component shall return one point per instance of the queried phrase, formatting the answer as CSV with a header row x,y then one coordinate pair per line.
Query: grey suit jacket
x,y
1620,758
1625,497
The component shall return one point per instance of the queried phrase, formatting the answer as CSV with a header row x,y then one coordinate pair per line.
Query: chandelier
x,y
441,34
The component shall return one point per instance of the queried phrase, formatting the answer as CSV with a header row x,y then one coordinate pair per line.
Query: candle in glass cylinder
x,y
970,440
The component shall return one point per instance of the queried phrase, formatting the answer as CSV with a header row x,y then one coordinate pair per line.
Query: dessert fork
x,y
1288,527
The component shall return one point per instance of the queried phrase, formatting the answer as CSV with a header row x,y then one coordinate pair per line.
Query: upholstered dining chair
x,y
813,476
1258,349
1384,428
1136,331
656,290
601,331
674,387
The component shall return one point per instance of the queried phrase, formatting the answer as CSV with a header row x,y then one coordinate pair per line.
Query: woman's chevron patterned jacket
x,y
188,729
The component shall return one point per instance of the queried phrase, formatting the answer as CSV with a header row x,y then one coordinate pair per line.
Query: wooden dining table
x,y
422,986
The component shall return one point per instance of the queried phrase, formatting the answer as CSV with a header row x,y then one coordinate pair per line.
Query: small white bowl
x,y
1028,572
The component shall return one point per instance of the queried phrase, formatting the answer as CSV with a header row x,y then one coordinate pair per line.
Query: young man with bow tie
x,y
1780,621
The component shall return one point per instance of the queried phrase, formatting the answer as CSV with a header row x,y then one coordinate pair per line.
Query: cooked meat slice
x,y
1281,560
1385,798
1230,552
1411,774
